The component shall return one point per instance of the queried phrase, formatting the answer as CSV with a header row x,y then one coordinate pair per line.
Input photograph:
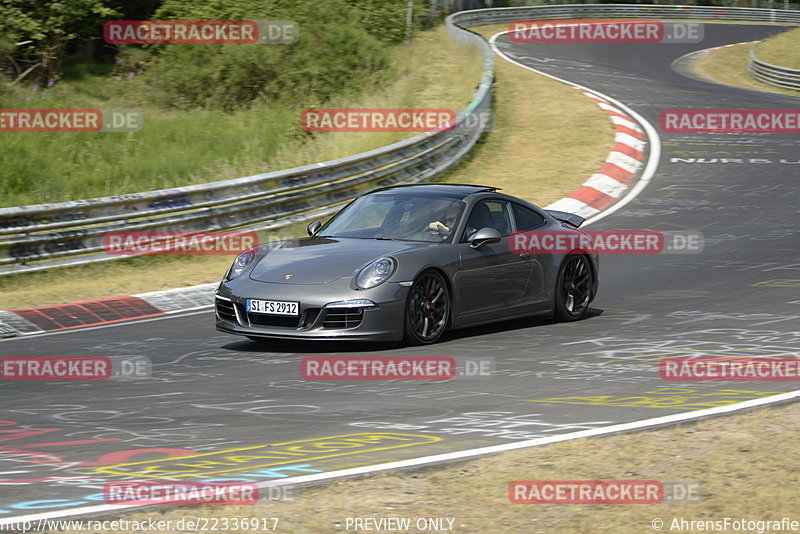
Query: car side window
x,y
489,213
526,219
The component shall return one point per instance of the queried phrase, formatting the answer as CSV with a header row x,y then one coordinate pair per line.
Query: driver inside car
x,y
444,228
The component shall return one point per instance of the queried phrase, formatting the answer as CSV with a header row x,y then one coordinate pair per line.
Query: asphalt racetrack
x,y
213,392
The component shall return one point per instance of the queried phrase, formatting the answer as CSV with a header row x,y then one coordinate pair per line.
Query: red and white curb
x,y
103,312
618,172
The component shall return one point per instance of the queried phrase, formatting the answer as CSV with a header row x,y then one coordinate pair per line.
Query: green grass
x,y
176,148
782,50
173,149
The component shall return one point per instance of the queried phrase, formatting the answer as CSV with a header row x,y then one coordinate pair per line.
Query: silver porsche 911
x,y
407,263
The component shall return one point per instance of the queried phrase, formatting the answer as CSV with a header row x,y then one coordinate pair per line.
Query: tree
x,y
37,33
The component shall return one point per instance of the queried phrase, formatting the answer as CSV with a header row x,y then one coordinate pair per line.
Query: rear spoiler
x,y
569,218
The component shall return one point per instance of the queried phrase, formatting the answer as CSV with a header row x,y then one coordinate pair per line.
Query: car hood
x,y
320,260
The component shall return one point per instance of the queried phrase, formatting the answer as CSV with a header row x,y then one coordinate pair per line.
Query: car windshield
x,y
399,216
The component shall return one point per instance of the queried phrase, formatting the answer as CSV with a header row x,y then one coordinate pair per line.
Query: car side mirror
x,y
313,228
483,236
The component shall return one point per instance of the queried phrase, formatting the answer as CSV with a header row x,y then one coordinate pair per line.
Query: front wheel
x,y
573,288
427,309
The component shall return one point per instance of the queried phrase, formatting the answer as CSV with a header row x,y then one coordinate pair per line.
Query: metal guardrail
x,y
773,74
67,233
678,12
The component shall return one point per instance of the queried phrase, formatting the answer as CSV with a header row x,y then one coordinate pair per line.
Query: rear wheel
x,y
427,309
573,288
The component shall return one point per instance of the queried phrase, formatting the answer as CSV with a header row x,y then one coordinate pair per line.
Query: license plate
x,y
273,307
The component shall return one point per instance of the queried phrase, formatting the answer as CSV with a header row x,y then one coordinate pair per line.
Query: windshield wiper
x,y
375,238
398,239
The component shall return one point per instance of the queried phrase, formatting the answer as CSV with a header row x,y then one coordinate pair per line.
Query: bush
x,y
386,19
334,54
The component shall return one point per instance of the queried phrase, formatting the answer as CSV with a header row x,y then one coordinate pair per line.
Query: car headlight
x,y
376,273
241,262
